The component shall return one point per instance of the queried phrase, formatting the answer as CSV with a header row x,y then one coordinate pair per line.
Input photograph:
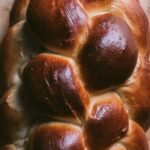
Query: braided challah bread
x,y
75,75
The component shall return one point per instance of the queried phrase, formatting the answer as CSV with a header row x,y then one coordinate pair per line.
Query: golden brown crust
x,y
17,47
85,44
8,147
141,29
134,140
131,11
102,128
10,55
57,136
18,11
98,3
110,53
58,23
136,94
55,87
11,118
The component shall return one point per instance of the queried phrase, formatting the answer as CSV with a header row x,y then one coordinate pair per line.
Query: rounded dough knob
x,y
107,122
56,136
58,23
110,53
54,87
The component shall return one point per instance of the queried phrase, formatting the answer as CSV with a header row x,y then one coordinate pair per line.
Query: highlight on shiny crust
x,y
55,87
110,53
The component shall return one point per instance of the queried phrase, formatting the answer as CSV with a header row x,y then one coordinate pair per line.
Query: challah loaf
x,y
75,75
